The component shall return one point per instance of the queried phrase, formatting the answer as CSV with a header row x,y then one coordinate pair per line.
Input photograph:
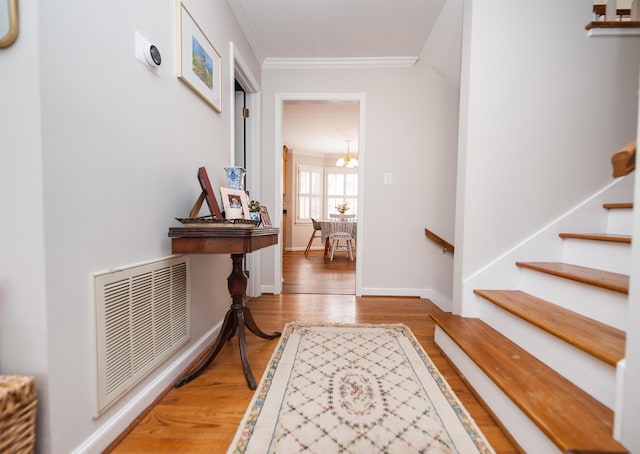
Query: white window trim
x,y
335,170
313,169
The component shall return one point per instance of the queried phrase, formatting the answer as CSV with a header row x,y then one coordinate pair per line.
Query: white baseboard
x,y
140,399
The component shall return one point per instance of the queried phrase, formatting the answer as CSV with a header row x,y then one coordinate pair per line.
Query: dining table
x,y
326,229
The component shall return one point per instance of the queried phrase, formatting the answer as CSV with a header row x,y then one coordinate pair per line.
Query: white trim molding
x,y
340,63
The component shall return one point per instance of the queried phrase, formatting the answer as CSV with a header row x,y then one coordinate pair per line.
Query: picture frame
x,y
264,216
234,198
199,63
209,194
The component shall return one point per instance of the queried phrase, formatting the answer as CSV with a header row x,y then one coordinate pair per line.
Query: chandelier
x,y
347,161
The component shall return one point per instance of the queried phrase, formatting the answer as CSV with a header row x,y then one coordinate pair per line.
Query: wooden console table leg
x,y
234,322
226,332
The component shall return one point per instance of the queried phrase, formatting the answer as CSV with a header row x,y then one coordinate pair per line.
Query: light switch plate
x,y
387,178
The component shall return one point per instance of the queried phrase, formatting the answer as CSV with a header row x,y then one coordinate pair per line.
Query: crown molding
x,y
245,25
340,63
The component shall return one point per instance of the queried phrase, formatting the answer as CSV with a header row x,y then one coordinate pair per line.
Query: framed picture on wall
x,y
199,65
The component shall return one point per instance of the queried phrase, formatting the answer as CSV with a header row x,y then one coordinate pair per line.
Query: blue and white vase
x,y
235,177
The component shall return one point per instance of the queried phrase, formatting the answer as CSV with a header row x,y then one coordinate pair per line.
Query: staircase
x,y
543,352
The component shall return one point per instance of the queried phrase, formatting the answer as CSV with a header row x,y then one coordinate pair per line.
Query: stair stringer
x,y
544,245
502,273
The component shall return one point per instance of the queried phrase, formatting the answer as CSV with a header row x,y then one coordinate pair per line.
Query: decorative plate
x,y
208,221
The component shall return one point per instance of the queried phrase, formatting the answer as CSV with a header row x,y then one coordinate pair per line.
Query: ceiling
x,y
320,127
379,31
329,29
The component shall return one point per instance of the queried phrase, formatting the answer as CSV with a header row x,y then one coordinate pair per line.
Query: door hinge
x,y
245,112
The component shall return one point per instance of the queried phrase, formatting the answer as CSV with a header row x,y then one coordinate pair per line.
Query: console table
x,y
237,241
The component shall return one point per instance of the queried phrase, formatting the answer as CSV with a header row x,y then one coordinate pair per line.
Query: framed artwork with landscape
x,y
199,65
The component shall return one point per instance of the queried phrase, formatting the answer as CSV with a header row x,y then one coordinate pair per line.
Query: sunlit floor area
x,y
315,274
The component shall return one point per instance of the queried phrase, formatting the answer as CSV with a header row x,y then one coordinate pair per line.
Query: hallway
x,y
314,274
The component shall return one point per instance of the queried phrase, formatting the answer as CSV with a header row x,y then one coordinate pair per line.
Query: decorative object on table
x,y
199,64
235,177
349,160
342,207
355,388
9,24
264,216
207,194
254,209
17,414
215,219
236,203
209,221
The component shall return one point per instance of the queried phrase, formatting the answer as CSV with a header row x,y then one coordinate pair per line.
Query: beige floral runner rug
x,y
354,389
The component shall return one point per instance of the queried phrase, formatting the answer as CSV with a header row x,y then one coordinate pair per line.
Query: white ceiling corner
x,y
336,33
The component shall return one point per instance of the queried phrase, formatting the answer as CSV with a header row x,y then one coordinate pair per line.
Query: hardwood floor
x,y
202,416
315,274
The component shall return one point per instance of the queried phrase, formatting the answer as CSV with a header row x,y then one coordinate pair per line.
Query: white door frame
x,y
239,70
280,99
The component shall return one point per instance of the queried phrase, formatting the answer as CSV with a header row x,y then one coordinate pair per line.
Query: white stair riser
x,y
521,428
595,377
603,255
605,306
620,221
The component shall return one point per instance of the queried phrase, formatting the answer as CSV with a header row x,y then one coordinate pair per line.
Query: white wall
x,y
631,413
98,169
411,128
23,309
538,104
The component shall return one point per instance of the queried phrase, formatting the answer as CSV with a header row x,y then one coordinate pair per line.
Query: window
x,y
342,187
309,193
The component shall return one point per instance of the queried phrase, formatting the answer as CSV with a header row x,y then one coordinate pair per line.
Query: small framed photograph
x,y
236,203
264,216
199,64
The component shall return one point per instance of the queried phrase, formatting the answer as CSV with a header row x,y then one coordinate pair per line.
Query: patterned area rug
x,y
354,389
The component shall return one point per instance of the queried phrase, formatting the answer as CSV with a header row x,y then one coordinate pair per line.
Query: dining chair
x,y
316,228
342,230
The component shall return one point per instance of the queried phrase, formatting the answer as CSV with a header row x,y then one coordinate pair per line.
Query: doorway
x,y
358,100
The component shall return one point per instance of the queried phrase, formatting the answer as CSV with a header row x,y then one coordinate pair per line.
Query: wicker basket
x,y
17,414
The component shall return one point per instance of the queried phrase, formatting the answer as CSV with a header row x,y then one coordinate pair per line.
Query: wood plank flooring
x,y
202,416
315,274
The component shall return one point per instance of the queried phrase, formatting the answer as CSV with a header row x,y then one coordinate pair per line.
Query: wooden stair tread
x,y
610,237
597,339
618,206
604,279
570,417
612,24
